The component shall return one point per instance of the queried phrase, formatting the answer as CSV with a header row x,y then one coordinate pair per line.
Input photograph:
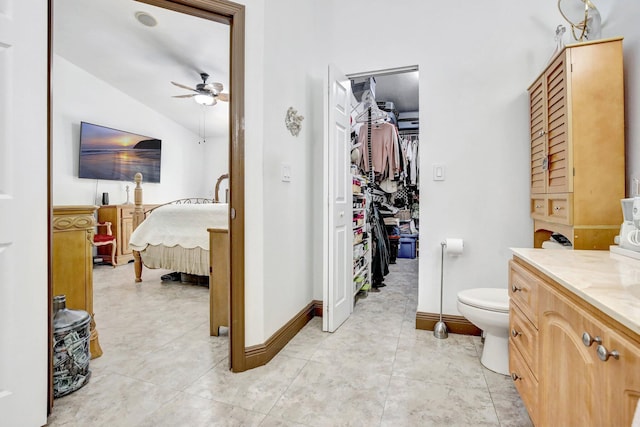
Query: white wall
x,y
621,19
288,60
183,172
476,61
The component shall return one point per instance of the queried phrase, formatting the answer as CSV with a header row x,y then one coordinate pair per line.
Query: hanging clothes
x,y
384,151
381,247
413,171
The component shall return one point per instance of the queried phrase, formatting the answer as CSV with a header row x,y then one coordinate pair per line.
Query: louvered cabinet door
x,y
557,160
538,107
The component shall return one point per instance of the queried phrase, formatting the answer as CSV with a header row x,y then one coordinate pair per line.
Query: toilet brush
x,y
440,330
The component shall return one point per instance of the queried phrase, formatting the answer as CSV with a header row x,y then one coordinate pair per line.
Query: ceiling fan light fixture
x,y
204,99
145,19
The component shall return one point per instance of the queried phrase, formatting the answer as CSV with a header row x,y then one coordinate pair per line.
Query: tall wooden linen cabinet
x,y
577,145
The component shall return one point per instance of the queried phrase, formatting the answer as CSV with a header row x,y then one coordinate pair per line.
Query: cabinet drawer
x,y
524,337
538,207
127,212
525,382
523,291
559,208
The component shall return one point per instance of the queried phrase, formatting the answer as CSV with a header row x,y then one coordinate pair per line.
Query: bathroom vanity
x,y
574,346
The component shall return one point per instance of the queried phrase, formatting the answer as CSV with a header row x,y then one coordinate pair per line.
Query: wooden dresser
x,y
577,145
574,346
121,219
72,261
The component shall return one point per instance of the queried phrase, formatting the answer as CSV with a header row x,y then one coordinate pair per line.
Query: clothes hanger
x,y
369,102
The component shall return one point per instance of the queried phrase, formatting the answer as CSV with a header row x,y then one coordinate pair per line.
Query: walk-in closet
x,y
385,150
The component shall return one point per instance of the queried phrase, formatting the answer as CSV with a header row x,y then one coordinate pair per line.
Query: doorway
x,y
232,15
385,190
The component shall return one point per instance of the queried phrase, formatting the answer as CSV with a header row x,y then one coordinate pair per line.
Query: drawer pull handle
x,y
515,333
557,208
538,206
604,354
515,376
587,339
514,288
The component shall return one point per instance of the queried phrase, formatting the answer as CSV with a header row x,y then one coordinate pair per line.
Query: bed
x,y
187,236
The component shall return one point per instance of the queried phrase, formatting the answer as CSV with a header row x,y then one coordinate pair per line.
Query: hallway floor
x,y
161,368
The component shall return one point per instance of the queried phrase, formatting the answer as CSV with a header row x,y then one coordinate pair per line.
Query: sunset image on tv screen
x,y
112,154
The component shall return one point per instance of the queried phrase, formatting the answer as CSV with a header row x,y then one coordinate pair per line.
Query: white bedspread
x,y
180,225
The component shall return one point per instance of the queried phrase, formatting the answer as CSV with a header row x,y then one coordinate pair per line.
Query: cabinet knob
x,y
540,133
515,376
514,288
515,333
604,354
538,206
587,339
557,208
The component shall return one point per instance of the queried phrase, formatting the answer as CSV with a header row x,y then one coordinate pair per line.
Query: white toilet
x,y
488,309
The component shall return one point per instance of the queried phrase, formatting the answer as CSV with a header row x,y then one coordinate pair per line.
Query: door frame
x,y
232,14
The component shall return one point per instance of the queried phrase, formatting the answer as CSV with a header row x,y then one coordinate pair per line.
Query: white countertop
x,y
608,281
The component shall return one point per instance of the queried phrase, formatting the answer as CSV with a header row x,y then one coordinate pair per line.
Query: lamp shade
x,y
204,99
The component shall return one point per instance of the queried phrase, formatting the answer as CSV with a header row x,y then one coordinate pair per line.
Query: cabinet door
x,y
557,162
537,106
126,230
71,269
571,385
623,375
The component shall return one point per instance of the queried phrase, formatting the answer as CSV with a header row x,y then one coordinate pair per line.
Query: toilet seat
x,y
492,299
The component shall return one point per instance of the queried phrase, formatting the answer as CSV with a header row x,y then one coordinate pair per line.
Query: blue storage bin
x,y
407,246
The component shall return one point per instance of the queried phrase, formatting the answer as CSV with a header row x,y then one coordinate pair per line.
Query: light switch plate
x,y
438,172
286,172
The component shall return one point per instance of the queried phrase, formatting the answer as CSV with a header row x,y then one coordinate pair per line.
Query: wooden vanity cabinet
x,y
563,382
577,145
523,335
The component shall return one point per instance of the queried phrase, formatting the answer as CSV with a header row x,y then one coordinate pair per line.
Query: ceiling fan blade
x,y
217,86
183,86
185,96
223,97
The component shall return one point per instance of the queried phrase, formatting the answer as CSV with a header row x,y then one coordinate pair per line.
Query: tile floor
x,y
160,367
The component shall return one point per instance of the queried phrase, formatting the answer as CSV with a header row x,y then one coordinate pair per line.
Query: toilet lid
x,y
495,299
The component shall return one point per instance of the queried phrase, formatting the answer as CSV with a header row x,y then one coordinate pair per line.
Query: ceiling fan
x,y
205,93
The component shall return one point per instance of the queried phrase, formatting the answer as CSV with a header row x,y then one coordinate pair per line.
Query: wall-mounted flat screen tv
x,y
112,154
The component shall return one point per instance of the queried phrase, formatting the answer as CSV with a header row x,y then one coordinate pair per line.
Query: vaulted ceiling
x,y
104,38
